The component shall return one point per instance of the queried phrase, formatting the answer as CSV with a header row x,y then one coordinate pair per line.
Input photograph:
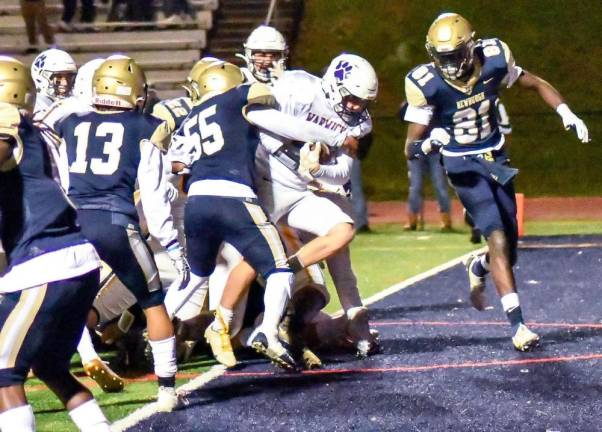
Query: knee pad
x,y
112,300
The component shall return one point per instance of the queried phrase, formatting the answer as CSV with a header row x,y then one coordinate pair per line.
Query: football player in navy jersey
x,y
459,91
52,274
109,149
217,144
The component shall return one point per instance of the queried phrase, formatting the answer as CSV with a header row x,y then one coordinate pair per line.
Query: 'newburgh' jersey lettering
x,y
468,114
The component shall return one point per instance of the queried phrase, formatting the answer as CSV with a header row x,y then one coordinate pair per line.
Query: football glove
x,y
571,121
309,159
178,258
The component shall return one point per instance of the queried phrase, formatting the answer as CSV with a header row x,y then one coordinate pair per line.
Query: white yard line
x,y
216,371
150,409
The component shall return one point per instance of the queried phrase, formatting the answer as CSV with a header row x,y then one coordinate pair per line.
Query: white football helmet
x,y
82,88
265,39
45,68
349,75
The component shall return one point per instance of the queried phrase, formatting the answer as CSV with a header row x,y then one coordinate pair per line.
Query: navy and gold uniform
x,y
474,157
218,144
173,111
52,276
467,111
108,152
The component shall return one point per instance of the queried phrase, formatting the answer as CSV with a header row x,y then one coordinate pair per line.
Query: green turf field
x,y
550,38
381,259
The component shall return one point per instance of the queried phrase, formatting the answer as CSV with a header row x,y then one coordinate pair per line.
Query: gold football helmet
x,y
191,80
450,43
119,82
218,78
16,86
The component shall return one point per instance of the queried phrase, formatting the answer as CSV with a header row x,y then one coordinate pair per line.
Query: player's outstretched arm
x,y
554,99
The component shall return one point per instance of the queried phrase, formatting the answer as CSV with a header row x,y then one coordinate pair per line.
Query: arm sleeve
x,y
418,110
153,195
514,71
293,128
337,173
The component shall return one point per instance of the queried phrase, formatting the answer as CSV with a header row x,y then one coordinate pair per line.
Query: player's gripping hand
x,y
571,121
178,258
309,159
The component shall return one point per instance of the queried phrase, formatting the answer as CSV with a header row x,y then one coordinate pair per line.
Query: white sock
x,y
277,294
226,314
85,347
510,301
484,262
88,417
164,357
18,419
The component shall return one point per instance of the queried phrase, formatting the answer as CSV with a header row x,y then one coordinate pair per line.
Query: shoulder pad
x,y
298,83
161,112
494,50
260,94
421,84
161,136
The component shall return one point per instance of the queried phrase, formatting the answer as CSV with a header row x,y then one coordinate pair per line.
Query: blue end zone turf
x,y
444,366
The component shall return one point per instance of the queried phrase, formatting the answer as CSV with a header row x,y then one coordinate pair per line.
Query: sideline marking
x,y
216,371
560,246
482,323
150,409
399,369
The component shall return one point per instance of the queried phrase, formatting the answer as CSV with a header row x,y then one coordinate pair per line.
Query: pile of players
x,y
242,185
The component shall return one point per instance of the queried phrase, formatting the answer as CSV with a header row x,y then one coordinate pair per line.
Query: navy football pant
x,y
211,220
41,327
491,205
118,241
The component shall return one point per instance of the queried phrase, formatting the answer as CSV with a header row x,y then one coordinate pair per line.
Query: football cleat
x,y
310,359
294,343
524,339
276,352
168,400
100,372
477,284
219,341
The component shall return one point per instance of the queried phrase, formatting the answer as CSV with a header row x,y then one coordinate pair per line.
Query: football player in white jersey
x,y
335,104
265,54
53,72
346,88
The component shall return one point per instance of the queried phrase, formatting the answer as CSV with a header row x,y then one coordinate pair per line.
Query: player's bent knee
x,y
343,233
